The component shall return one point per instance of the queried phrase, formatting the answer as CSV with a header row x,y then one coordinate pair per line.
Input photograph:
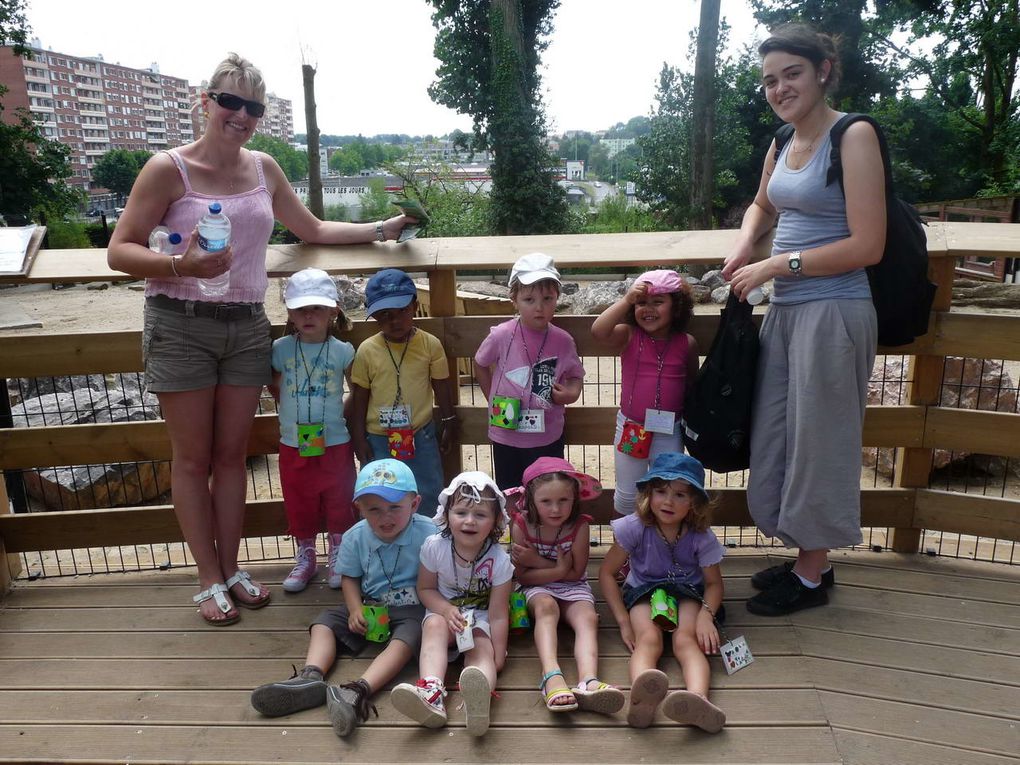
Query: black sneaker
x,y
303,691
765,578
785,596
348,705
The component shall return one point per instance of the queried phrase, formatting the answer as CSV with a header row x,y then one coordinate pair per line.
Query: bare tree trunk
x,y
703,128
312,125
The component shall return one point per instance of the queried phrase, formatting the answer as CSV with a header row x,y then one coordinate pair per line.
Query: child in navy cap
x,y
673,551
396,376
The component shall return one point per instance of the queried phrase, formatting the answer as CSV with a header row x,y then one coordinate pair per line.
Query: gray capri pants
x,y
805,482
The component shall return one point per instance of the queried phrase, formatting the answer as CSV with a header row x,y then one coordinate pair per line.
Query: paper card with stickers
x,y
735,654
532,421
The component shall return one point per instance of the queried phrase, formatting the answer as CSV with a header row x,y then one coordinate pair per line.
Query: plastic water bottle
x,y
164,241
755,296
213,236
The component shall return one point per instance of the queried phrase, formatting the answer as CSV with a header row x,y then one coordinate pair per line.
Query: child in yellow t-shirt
x,y
395,375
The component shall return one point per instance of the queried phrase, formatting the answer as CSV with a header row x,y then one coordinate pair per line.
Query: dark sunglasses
x,y
234,103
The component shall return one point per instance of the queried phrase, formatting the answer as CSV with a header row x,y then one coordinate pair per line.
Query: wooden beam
x,y
443,304
967,514
969,430
10,564
973,334
74,529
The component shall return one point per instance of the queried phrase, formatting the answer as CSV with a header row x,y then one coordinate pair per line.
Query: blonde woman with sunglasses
x,y
207,361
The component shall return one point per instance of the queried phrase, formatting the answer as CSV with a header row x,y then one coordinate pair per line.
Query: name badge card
x,y
466,638
532,421
660,421
735,654
401,596
394,417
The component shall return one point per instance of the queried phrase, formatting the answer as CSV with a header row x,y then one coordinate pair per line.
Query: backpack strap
x,y
835,171
783,134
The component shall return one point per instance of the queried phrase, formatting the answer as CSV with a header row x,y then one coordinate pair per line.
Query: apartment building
x,y
93,106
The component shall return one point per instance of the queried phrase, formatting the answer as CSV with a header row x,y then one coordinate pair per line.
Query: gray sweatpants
x,y
805,481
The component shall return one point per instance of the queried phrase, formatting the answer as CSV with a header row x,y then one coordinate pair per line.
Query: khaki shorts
x,y
184,352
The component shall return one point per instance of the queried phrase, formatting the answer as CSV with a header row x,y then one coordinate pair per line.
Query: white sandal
x,y
243,578
218,592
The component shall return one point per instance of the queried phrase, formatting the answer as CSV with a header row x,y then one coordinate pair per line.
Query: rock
x,y
597,297
103,485
977,294
689,280
713,279
700,293
98,286
721,294
967,384
569,288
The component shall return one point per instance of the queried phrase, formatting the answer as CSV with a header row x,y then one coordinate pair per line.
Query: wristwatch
x,y
380,235
794,262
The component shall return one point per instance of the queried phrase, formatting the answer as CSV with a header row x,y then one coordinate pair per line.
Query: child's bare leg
x,y
547,618
647,640
691,706
321,648
435,639
482,656
581,617
387,665
687,651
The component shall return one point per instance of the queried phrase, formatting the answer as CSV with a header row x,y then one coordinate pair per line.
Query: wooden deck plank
x,y
900,685
967,662
766,640
193,744
512,709
859,748
910,604
187,674
990,735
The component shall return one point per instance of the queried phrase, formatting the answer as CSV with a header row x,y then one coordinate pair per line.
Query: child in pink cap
x,y
658,361
549,549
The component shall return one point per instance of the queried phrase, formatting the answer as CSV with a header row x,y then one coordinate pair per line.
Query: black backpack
x,y
716,424
900,288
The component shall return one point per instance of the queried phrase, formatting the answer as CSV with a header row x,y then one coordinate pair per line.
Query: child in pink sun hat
x,y
549,548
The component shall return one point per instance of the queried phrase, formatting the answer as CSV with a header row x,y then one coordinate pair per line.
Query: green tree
x,y
614,215
375,203
293,162
489,52
14,26
33,171
117,169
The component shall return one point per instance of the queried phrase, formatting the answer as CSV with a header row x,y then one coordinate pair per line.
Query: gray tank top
x,y
811,214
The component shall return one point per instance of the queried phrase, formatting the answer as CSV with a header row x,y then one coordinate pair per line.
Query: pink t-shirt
x,y
639,365
527,363
251,224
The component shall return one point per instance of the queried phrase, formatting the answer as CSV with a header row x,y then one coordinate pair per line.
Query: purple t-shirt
x,y
650,558
522,371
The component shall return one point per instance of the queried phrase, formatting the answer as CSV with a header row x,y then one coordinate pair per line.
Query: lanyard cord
x,y
308,376
382,565
660,360
453,564
527,357
398,364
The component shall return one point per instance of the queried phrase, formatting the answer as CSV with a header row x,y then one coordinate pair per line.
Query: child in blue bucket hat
x,y
675,577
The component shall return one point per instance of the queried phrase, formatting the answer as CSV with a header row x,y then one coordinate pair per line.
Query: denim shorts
x,y
183,352
426,464
632,595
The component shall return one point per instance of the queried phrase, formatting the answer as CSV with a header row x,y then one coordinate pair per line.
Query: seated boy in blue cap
x,y
395,375
378,564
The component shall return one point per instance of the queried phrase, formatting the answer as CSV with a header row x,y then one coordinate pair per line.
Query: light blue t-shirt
x,y
811,214
388,570
312,386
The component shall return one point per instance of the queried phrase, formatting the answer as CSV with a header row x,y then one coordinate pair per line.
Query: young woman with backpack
x,y
818,339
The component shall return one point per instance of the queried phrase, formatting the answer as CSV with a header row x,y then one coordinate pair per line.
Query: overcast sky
x,y
374,57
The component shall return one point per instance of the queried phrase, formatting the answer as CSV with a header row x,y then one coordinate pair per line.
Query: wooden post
x,y
913,464
312,131
10,565
443,303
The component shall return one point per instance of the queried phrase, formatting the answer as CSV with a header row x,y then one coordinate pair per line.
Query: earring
x,y
206,114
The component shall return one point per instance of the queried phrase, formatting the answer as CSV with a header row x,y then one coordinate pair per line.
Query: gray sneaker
x,y
348,705
303,691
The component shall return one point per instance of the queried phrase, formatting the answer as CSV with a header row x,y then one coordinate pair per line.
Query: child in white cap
x,y
316,457
464,582
529,371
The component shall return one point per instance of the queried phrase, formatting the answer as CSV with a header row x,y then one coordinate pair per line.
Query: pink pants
x,y
317,491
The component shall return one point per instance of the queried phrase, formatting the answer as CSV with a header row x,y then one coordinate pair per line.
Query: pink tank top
x,y
647,365
251,223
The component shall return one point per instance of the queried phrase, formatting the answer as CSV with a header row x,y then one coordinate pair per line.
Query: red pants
x,y
317,491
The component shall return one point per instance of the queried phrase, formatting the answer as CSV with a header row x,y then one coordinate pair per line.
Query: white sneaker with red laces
x,y
422,702
305,568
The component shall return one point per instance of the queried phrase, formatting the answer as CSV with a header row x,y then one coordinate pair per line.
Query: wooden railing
x,y
915,429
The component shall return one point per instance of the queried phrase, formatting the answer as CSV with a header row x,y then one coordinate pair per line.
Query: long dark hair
x,y
802,40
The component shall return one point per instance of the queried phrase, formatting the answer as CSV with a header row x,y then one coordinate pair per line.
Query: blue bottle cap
x,y
174,238
215,208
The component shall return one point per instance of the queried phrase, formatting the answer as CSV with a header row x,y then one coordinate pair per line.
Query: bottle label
x,y
212,245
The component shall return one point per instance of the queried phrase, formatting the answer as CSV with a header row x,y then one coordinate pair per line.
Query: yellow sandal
x,y
557,693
